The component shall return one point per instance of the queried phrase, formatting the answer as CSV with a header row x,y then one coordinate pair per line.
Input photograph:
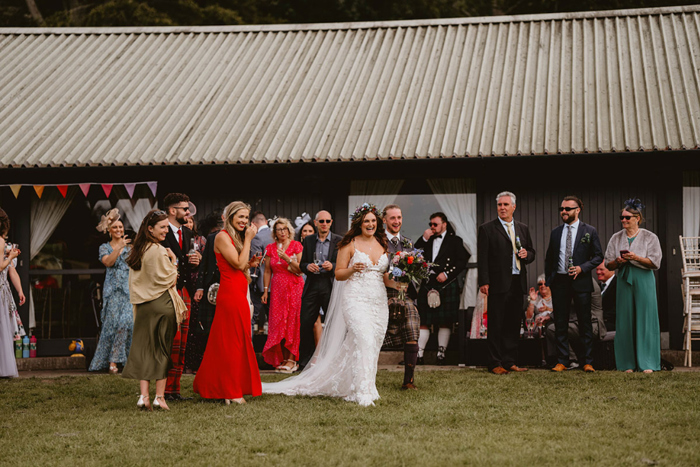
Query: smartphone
x,y
623,252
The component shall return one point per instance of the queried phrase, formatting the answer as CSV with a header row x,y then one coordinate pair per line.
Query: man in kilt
x,y
446,250
404,331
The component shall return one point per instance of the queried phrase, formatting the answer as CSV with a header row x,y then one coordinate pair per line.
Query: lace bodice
x,y
345,363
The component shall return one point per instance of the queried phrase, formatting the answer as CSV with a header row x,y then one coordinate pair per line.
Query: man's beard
x,y
181,221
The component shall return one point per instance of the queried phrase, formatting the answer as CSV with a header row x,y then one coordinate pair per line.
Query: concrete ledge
x,y
51,363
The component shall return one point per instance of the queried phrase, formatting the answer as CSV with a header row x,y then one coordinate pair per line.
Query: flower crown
x,y
363,209
635,203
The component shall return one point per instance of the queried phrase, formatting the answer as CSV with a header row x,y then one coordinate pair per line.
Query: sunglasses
x,y
626,218
158,213
566,209
324,221
186,208
540,284
432,224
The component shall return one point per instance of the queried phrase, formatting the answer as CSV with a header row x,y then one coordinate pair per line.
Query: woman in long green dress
x,y
635,252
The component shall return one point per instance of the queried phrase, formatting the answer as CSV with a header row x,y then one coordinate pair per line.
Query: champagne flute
x,y
279,248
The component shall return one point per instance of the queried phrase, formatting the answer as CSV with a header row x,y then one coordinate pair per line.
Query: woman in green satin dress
x,y
635,252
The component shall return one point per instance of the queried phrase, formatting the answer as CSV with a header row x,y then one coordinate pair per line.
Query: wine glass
x,y
530,323
318,261
279,248
261,255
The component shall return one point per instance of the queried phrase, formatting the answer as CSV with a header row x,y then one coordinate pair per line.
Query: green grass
x,y
460,417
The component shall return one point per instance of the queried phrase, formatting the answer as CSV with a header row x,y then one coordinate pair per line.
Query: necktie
x,y
395,242
511,233
568,250
179,237
602,287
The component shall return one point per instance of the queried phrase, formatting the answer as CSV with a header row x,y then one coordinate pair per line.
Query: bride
x,y
345,362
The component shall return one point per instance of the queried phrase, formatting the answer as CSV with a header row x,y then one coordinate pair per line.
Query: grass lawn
x,y
458,417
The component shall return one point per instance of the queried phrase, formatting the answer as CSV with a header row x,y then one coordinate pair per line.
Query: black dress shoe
x,y
441,356
420,361
176,398
402,363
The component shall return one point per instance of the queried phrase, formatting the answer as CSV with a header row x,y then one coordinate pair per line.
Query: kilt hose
x,y
406,330
446,313
177,354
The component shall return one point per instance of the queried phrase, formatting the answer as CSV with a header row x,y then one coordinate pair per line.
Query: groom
x,y
406,331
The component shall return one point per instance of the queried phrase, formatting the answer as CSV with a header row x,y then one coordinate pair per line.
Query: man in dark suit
x,y
257,247
608,286
447,251
320,248
504,249
573,252
179,240
406,331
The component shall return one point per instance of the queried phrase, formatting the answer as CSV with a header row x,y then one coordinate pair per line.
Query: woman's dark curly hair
x,y
356,230
4,223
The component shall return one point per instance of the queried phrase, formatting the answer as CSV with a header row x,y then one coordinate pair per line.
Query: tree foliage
x,y
27,13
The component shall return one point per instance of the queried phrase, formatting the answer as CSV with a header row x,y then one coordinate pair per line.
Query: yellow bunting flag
x,y
15,190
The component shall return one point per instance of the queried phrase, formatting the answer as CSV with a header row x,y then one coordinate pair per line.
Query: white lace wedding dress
x,y
345,362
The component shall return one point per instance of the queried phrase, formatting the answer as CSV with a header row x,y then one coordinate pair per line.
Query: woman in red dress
x,y
229,369
282,265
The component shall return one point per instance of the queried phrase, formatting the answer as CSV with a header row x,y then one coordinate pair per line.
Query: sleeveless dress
x,y
229,368
285,306
345,362
8,327
117,313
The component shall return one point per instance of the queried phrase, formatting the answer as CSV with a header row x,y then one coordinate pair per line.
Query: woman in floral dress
x,y
117,311
283,280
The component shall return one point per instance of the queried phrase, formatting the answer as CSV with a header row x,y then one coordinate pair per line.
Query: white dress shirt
x,y
437,243
505,226
563,260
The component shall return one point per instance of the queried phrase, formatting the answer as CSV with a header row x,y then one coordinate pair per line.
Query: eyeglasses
x,y
284,229
566,209
626,218
433,224
324,221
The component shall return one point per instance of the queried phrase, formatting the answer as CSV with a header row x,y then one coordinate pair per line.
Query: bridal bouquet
x,y
409,266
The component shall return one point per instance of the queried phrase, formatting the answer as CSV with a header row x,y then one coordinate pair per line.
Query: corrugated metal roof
x,y
536,84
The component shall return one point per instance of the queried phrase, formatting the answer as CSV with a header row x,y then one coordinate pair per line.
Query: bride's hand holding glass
x,y
358,267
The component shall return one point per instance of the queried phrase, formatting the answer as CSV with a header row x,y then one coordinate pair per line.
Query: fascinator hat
x,y
108,218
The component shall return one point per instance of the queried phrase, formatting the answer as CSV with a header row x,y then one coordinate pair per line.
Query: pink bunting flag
x,y
85,188
153,186
15,190
63,189
107,189
130,187
39,190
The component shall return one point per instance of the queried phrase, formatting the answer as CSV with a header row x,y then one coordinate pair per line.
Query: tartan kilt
x,y
407,330
446,313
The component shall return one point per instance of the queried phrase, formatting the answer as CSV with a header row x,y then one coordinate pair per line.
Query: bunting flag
x,y
85,187
63,189
130,187
107,189
39,190
153,186
15,190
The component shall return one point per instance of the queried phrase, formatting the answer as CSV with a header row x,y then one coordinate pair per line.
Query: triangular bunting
x,y
85,188
153,186
39,190
15,190
63,189
107,189
130,187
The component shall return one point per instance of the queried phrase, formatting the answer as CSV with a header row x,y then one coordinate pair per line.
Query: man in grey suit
x,y
257,246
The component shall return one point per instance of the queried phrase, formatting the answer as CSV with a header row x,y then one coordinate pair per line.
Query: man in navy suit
x,y
573,253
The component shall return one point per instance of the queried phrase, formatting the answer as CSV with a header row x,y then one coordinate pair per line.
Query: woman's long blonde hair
x,y
238,237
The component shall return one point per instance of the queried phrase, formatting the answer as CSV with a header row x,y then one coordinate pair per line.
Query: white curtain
x,y
45,214
457,199
691,204
135,212
378,192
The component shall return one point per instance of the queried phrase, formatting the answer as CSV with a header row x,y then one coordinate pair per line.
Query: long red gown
x,y
229,369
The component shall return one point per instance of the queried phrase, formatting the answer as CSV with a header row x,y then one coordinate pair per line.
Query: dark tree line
x,y
77,13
